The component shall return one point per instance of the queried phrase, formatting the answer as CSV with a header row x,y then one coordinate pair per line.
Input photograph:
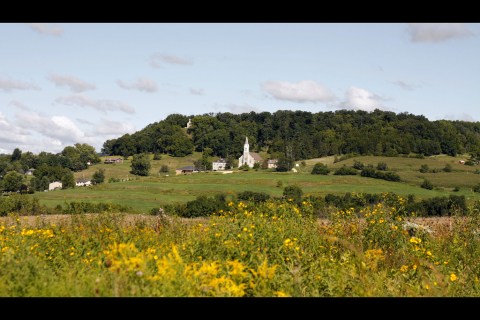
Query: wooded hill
x,y
302,135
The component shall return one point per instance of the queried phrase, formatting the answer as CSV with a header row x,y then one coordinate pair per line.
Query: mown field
x,y
144,193
272,249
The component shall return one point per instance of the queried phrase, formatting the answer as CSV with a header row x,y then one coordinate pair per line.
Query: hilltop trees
x,y
310,135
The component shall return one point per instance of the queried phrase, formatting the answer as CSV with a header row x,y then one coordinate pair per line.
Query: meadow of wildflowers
x,y
271,249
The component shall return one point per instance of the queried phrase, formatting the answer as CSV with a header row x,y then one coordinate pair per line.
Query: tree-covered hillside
x,y
303,135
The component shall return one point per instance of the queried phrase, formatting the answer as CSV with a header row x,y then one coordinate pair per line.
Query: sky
x,y
67,83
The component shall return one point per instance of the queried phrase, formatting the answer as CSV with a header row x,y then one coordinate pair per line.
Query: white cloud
x,y
114,128
158,59
361,99
196,92
45,28
460,117
437,32
8,85
19,105
75,84
235,108
9,134
83,121
404,85
142,84
303,91
102,105
57,127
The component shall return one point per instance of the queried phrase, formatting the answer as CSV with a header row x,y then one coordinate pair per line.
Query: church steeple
x,y
246,148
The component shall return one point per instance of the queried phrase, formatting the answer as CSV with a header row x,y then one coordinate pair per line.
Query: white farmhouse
x,y
83,182
249,158
54,185
220,164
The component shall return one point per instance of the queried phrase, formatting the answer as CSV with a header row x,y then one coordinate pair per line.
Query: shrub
x,y
476,188
320,168
200,207
157,156
164,168
244,167
21,204
294,193
426,184
345,171
140,165
98,176
448,168
382,166
424,168
358,165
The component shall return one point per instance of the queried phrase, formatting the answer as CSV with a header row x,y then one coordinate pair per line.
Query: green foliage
x,y
476,188
253,196
370,172
98,176
382,166
441,206
68,180
164,169
320,168
345,171
157,156
244,167
293,193
21,204
285,163
46,174
203,164
424,168
448,168
140,165
16,155
358,165
80,207
345,157
77,156
279,183
200,207
12,181
426,184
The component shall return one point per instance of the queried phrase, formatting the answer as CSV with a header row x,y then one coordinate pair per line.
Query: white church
x,y
249,158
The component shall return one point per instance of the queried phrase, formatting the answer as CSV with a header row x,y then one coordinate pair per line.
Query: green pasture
x,y
144,193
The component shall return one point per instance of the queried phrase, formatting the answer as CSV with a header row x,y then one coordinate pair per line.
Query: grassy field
x,y
144,193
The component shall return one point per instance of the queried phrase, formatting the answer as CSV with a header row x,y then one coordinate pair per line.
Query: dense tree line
x,y
47,167
302,135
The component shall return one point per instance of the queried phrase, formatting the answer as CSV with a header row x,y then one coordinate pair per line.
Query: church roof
x,y
256,156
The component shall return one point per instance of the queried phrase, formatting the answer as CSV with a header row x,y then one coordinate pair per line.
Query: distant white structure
x,y
272,163
83,182
248,158
189,123
54,185
220,164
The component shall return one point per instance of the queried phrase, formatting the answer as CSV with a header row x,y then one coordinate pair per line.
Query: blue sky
x,y
63,83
